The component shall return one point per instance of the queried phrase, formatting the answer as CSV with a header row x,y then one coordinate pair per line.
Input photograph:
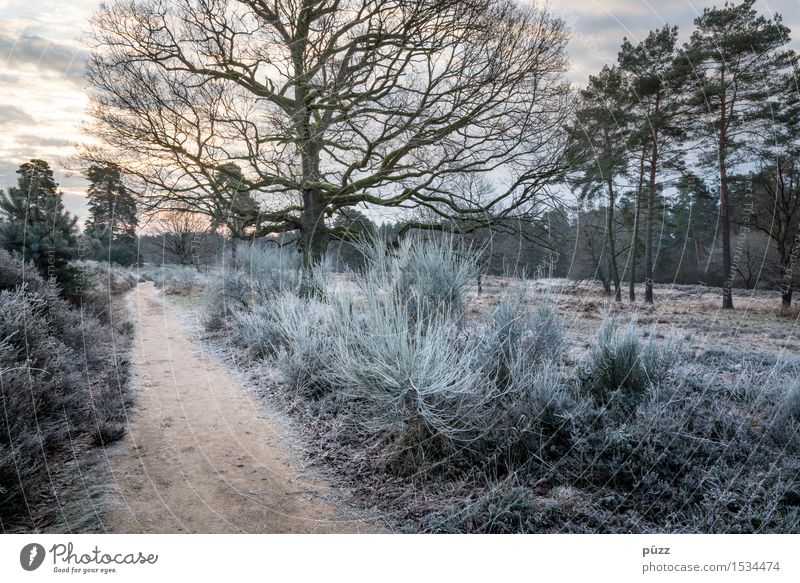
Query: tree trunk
x,y
651,203
786,298
724,208
233,260
313,240
313,233
727,267
635,238
612,252
787,269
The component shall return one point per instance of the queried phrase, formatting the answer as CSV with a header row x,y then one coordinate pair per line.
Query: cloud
x,y
38,142
65,59
12,116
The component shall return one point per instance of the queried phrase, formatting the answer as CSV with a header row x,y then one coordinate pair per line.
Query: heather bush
x,y
97,283
114,278
503,509
688,459
41,394
55,363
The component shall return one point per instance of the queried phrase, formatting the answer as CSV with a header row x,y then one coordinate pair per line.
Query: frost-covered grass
x,y
179,280
499,419
271,270
619,360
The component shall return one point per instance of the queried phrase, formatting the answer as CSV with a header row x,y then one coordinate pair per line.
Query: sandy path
x,y
200,456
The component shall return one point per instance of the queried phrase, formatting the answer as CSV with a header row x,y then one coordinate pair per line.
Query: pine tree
x,y
111,227
734,52
36,226
599,151
657,86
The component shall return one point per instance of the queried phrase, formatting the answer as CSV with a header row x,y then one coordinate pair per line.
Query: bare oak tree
x,y
328,104
179,234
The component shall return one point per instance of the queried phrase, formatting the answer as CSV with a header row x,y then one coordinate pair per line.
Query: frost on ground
x,y
534,406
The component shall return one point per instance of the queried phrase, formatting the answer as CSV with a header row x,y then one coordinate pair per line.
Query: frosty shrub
x,y
112,277
180,280
620,361
256,331
537,393
50,352
504,509
417,383
98,282
296,332
304,328
792,405
273,270
229,291
689,456
438,275
516,333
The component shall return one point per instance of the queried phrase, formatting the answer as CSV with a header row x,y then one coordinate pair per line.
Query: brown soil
x,y
200,455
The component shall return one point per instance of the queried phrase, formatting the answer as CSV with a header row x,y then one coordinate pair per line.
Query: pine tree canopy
x,y
35,224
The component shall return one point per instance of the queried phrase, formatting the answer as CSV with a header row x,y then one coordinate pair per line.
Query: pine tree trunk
x,y
724,206
606,284
612,252
787,276
651,203
727,267
786,298
635,239
648,269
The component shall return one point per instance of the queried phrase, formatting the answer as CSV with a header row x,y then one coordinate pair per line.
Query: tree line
x,y
676,126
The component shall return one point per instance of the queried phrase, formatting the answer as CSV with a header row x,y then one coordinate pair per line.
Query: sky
x,y
42,56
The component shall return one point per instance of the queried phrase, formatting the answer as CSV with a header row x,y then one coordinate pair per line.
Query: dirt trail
x,y
200,456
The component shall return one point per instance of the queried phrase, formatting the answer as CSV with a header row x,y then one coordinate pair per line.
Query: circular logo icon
x,y
31,556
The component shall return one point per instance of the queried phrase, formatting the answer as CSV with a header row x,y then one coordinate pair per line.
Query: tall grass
x,y
619,360
272,270
178,280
